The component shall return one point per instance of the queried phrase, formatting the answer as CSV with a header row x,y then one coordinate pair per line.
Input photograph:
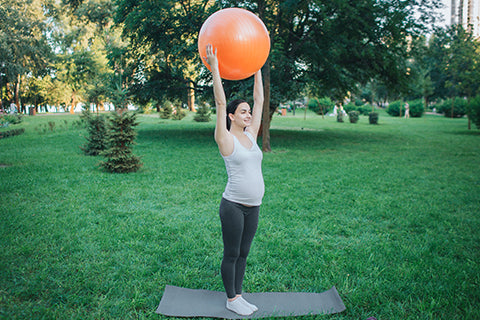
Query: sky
x,y
446,12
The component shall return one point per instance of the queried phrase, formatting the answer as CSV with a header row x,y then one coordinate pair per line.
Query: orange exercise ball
x,y
241,40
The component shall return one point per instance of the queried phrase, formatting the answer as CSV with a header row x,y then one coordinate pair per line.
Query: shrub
x,y
373,118
394,108
313,105
203,113
454,108
167,111
349,107
120,138
416,108
339,117
11,133
179,113
359,102
353,116
320,106
474,111
97,132
363,109
10,118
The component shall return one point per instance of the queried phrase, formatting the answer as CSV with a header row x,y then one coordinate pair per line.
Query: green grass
x,y
388,214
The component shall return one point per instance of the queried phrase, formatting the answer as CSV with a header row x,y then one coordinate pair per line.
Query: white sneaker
x,y
238,307
248,304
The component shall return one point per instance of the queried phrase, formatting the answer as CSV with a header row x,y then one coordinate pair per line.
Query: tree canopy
x,y
61,52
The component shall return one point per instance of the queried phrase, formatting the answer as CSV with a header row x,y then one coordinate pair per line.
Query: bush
x,y
474,111
353,116
373,118
167,111
453,108
11,133
320,106
179,113
10,118
349,107
203,113
416,108
120,138
97,132
363,109
394,108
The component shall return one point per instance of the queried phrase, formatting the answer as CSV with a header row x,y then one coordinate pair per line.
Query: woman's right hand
x,y
212,57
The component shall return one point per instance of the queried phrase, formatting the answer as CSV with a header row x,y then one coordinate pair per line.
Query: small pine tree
x,y
179,113
121,137
166,111
203,114
97,132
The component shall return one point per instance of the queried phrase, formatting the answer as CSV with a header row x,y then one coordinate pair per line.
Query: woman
x,y
236,134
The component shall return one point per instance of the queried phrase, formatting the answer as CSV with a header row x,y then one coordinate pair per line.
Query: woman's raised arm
x,y
257,105
222,136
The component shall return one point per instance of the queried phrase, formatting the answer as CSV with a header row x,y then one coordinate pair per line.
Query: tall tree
x,y
329,45
335,45
23,44
163,49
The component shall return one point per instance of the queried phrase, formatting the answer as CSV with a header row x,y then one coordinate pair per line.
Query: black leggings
x,y
239,224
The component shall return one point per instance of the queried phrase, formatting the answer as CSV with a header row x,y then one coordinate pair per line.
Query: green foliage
x,y
167,111
363,109
416,108
373,118
10,118
11,133
120,138
97,132
474,111
453,107
179,113
395,107
320,106
353,116
203,113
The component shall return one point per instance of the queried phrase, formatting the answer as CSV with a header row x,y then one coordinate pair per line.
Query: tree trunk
x,y
191,98
266,119
266,108
17,95
72,108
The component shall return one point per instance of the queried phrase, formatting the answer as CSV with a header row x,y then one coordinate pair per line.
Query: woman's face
x,y
242,116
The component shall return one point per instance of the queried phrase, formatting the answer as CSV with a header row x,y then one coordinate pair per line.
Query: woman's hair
x,y
231,108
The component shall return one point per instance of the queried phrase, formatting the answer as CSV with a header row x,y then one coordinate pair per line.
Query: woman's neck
x,y
237,131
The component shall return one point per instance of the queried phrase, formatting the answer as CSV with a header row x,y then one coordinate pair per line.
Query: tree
x,y
333,46
328,46
463,63
23,46
162,52
120,139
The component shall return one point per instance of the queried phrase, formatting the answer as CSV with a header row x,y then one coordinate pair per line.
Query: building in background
x,y
466,13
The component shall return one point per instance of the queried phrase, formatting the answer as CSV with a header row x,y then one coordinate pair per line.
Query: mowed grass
x,y
388,214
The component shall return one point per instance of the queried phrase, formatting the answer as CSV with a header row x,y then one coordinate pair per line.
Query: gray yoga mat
x,y
182,302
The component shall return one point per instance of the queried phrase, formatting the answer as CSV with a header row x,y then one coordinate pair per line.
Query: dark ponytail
x,y
231,108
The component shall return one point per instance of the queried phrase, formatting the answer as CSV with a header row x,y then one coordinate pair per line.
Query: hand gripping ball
x,y
241,40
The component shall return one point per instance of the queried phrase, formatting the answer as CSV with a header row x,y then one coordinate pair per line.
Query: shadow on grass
x,y
280,138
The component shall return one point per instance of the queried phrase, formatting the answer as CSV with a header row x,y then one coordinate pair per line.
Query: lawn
x,y
388,214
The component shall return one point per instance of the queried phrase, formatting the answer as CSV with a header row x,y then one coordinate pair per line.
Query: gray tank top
x,y
244,169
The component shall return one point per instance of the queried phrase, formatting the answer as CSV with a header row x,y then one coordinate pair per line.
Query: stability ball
x,y
241,40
